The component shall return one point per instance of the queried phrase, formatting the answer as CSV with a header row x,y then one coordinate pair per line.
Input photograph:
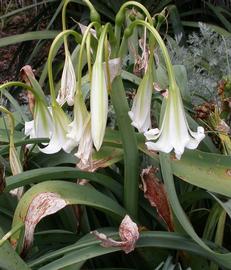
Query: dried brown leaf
x,y
154,192
42,205
26,72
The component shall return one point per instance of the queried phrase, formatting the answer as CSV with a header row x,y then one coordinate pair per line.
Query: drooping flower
x,y
140,112
99,103
85,145
99,97
60,126
41,126
174,132
68,82
79,133
77,126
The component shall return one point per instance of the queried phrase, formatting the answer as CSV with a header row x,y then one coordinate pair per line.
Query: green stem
x,y
99,54
121,16
11,123
163,48
16,228
95,17
88,49
19,84
64,24
136,4
51,57
84,39
131,162
106,55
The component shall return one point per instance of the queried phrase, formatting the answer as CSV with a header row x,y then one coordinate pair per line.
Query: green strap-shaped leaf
x,y
206,170
72,194
9,259
131,157
37,35
197,168
50,173
14,12
218,12
88,247
166,169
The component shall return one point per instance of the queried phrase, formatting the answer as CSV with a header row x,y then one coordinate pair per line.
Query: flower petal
x,y
76,128
29,129
197,137
152,134
85,145
58,137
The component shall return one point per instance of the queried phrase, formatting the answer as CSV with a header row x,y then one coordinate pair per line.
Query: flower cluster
x,y
87,129
174,132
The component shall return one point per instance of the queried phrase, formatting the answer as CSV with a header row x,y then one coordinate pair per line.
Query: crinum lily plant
x,y
73,121
101,48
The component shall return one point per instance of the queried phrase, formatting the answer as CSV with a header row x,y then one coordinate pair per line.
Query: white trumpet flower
x,y
140,112
99,104
77,126
175,132
99,97
42,125
58,137
68,82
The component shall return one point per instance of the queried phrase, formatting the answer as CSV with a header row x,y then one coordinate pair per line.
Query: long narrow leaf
x,y
37,35
50,173
222,259
89,248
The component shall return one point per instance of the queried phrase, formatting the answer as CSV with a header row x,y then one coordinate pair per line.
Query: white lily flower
x,y
68,82
140,112
58,137
42,125
85,145
175,132
77,126
99,104
99,97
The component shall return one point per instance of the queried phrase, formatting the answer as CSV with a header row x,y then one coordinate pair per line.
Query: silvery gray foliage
x,y
207,58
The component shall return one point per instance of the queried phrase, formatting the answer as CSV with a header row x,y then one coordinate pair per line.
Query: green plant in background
x,y
61,224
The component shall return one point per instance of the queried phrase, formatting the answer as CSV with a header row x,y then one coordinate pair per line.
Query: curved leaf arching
x,y
167,173
67,194
88,247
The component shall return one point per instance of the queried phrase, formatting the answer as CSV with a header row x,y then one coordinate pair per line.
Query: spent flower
x,y
68,82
